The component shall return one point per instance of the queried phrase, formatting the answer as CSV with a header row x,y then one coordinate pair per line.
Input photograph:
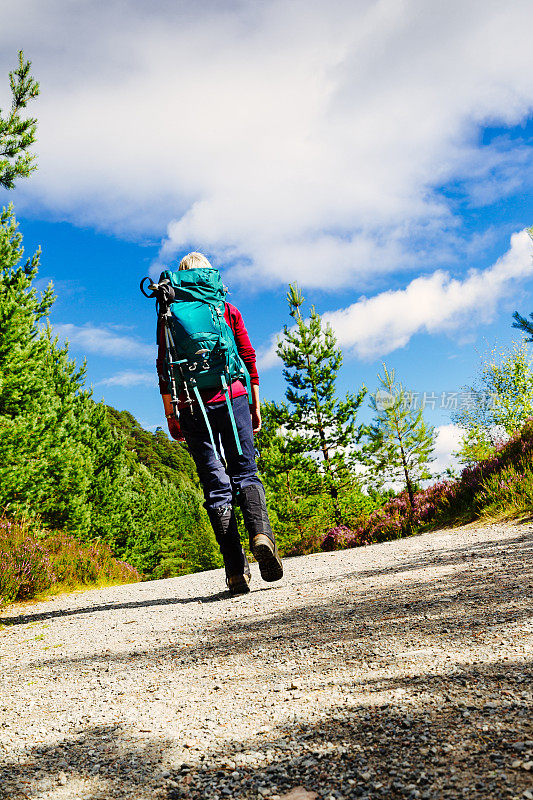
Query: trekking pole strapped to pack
x,y
201,352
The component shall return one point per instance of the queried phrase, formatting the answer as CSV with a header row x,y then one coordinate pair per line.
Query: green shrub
x,y
77,564
25,567
509,492
30,565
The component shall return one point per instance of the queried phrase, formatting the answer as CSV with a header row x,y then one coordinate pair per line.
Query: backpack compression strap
x,y
204,412
231,415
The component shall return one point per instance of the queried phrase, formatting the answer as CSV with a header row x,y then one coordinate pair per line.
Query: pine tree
x,y
108,470
520,322
400,443
17,134
299,510
54,443
320,425
282,460
25,417
500,402
63,461
524,324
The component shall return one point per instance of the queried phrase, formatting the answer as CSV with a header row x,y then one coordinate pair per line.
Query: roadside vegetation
x,y
33,564
499,487
342,500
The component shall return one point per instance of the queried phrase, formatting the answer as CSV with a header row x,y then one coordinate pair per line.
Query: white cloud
x,y
299,140
266,355
447,442
375,326
104,342
128,378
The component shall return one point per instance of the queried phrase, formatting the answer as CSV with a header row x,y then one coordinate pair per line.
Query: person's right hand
x,y
255,411
174,429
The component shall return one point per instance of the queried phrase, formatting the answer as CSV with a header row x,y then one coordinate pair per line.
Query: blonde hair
x,y
194,261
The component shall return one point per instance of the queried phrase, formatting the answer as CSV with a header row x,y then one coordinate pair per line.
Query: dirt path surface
x,y
400,670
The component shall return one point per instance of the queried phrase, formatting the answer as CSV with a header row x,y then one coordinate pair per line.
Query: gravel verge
x,y
398,670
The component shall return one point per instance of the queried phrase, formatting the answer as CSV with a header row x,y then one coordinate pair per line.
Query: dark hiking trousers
x,y
221,482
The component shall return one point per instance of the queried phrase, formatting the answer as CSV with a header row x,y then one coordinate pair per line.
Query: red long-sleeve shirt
x,y
234,319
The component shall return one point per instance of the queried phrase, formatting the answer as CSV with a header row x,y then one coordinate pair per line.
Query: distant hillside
x,y
172,535
163,457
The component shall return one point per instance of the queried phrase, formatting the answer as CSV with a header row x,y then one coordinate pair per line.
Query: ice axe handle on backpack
x,y
164,294
151,287
162,291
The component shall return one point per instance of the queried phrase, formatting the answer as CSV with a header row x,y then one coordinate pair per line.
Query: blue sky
x,y
379,153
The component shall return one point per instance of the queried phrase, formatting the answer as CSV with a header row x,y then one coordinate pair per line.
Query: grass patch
x,y
509,493
35,567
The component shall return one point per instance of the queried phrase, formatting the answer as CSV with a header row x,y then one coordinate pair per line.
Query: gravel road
x,y
398,670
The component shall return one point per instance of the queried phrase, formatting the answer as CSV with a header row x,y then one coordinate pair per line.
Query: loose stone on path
x,y
400,670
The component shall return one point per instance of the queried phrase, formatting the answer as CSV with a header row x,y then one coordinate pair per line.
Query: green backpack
x,y
201,352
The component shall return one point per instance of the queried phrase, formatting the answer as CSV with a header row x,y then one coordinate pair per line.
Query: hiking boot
x,y
262,541
239,584
226,533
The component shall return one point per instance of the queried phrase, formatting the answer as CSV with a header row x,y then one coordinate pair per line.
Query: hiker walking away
x,y
226,413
